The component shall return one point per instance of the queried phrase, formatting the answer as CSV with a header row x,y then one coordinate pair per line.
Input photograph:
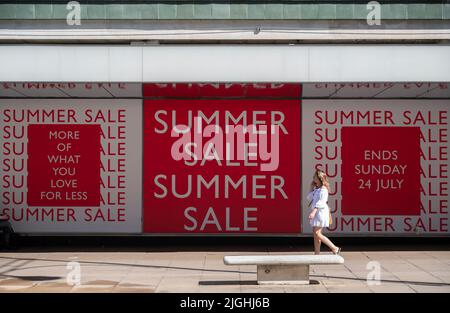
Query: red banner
x,y
202,175
63,165
381,170
222,90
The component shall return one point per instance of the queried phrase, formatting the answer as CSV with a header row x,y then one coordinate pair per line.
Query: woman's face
x,y
317,180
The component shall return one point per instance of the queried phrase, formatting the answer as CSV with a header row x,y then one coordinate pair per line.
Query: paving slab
x,y
204,271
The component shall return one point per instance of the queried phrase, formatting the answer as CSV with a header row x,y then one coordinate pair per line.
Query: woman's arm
x,y
312,214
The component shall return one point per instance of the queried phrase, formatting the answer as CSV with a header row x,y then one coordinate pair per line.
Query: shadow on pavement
x,y
240,282
32,278
420,283
227,282
98,263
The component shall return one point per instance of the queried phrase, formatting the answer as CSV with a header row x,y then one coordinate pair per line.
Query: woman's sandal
x,y
338,251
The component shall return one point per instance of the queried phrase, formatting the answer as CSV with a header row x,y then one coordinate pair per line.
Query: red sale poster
x,y
71,165
63,165
380,177
387,163
222,165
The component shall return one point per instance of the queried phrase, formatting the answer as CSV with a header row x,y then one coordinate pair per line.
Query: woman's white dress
x,y
319,197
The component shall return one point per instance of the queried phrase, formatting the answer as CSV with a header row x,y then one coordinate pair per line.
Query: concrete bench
x,y
283,269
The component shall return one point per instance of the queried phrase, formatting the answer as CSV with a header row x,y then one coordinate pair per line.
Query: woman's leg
x,y
325,240
317,241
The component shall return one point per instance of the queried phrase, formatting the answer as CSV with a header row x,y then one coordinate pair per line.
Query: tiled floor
x,y
400,271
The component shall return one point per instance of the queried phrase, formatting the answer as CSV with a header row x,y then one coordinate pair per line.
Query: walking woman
x,y
320,212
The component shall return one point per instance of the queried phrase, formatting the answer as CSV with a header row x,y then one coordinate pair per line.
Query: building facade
x,y
209,117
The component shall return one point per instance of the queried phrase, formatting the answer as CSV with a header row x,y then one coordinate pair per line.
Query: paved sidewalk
x,y
401,271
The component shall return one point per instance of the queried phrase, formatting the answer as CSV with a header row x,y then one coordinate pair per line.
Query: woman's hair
x,y
323,178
